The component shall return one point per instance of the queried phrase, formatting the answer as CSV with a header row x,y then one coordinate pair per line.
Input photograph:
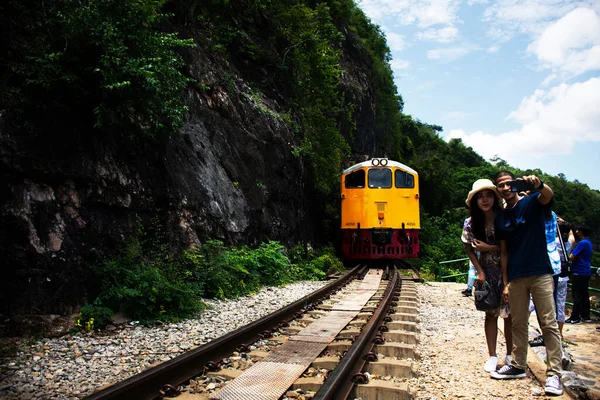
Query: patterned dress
x,y
489,261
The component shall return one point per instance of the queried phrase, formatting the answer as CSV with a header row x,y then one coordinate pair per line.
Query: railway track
x,y
353,338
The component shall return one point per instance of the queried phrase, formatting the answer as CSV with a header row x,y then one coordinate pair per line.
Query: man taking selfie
x,y
526,271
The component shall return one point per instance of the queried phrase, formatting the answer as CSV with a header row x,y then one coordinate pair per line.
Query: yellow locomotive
x,y
380,211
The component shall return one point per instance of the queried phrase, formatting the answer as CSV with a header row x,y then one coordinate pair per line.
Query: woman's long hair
x,y
478,216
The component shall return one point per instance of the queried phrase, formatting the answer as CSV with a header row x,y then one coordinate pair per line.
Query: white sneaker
x,y
508,359
491,364
553,385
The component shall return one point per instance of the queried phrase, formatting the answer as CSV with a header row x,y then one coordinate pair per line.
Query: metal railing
x,y
439,271
441,277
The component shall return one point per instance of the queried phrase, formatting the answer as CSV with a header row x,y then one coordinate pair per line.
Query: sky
x,y
517,79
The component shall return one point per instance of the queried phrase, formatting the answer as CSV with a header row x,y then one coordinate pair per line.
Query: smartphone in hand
x,y
519,185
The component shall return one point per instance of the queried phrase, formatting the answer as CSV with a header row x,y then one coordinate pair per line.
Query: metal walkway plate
x,y
262,381
352,304
295,352
361,295
326,328
269,379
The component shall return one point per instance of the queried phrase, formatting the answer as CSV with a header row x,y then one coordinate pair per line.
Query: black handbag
x,y
486,298
566,266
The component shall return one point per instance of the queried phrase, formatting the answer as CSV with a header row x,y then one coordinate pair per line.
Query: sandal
x,y
537,341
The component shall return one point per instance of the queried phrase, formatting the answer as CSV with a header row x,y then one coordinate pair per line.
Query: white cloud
x,y
431,12
548,80
570,45
448,54
399,64
473,2
395,41
493,49
551,122
506,18
442,35
435,17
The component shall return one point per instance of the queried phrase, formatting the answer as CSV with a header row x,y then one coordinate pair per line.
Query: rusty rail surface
x,y
148,384
340,381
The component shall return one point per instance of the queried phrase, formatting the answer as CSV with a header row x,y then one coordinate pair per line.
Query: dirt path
x,y
453,351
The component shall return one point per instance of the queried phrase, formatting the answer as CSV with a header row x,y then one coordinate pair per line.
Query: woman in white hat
x,y
478,235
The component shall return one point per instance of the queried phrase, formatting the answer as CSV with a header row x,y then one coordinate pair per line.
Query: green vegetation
x,y
116,66
446,176
100,63
145,281
93,316
297,43
310,265
148,283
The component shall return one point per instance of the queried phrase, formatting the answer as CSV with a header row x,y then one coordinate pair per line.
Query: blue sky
x,y
515,78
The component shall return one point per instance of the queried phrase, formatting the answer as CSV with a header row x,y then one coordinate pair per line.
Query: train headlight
x,y
379,161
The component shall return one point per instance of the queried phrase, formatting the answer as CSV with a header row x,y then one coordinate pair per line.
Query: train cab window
x,y
380,178
404,179
355,180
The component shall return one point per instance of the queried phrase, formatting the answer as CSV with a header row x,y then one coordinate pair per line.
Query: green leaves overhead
x,y
311,57
104,62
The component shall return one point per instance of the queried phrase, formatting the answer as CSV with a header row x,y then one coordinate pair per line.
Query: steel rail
x,y
339,383
148,384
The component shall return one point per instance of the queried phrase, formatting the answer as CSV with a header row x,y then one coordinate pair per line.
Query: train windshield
x,y
404,179
380,178
355,180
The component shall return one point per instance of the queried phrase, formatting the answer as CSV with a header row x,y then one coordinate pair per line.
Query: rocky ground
x,y
72,366
452,349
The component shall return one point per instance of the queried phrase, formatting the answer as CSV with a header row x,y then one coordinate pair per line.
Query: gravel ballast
x,y
451,351
72,366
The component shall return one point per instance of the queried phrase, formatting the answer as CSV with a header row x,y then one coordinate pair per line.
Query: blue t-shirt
x,y
581,266
524,230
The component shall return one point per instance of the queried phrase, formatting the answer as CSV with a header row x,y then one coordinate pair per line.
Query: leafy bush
x,y
313,265
223,272
440,237
104,61
274,267
145,283
234,272
94,316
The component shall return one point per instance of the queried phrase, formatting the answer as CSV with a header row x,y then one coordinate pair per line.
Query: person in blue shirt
x,y
526,271
581,257
554,256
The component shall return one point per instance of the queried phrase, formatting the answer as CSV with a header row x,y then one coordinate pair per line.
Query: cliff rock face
x,y
228,174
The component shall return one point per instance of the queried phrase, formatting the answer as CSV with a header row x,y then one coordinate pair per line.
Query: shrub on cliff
x,y
146,282
103,63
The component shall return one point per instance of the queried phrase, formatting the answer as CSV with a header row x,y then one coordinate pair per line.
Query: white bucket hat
x,y
478,186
